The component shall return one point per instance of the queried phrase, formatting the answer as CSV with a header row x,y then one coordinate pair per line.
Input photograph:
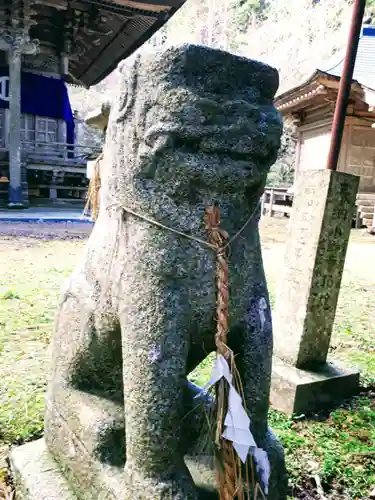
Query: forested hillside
x,y
293,36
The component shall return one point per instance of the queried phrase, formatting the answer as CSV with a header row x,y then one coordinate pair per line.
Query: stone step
x,y
365,203
365,196
365,212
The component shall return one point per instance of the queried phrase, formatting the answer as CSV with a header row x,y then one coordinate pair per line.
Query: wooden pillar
x,y
271,202
18,43
298,156
263,202
52,188
15,186
64,65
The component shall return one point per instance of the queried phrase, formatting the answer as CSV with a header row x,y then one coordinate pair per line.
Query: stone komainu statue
x,y
189,126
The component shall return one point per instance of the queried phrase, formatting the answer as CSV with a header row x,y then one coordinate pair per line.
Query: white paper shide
x,y
237,423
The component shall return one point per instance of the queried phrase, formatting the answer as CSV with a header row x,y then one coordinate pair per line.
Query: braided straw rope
x,y
229,470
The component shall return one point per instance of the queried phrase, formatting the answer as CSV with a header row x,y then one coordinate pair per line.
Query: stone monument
x,y
302,380
189,126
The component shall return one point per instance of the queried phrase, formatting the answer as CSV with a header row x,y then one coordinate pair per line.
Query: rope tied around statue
x,y
92,204
234,439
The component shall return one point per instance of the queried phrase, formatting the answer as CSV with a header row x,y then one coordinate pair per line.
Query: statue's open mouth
x,y
235,142
234,127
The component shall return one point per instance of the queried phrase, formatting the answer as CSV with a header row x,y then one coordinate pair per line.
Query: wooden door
x,y
361,155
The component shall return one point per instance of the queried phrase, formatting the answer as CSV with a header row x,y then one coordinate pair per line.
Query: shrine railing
x,y
277,200
46,152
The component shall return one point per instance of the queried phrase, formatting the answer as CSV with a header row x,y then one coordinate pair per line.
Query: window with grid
x,y
39,133
28,131
46,131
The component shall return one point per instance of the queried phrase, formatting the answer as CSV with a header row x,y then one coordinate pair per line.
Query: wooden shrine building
x,y
312,104
45,44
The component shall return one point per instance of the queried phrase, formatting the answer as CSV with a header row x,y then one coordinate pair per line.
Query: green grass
x,y
30,278
340,449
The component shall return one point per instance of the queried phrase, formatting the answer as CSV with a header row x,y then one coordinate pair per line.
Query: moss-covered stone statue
x,y
189,126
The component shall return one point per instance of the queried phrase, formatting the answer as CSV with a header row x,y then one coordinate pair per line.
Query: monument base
x,y
296,391
36,474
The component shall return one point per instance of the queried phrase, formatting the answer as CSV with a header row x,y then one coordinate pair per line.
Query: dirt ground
x,y
46,230
273,230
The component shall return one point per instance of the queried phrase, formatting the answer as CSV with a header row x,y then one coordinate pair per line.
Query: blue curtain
x,y
44,96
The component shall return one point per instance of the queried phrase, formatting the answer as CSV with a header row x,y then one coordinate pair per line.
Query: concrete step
x,y
366,213
365,203
366,197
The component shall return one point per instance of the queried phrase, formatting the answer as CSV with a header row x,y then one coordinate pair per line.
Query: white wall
x,y
314,148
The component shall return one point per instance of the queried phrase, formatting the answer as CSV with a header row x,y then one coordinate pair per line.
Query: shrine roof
x,y
327,77
131,24
364,69
101,32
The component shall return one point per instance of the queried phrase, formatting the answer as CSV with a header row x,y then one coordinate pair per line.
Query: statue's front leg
x,y
155,349
252,340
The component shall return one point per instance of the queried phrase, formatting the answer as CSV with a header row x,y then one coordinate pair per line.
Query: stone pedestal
x,y
37,475
297,391
309,288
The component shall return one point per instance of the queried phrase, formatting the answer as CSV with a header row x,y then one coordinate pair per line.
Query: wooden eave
x,y
105,31
131,24
321,86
